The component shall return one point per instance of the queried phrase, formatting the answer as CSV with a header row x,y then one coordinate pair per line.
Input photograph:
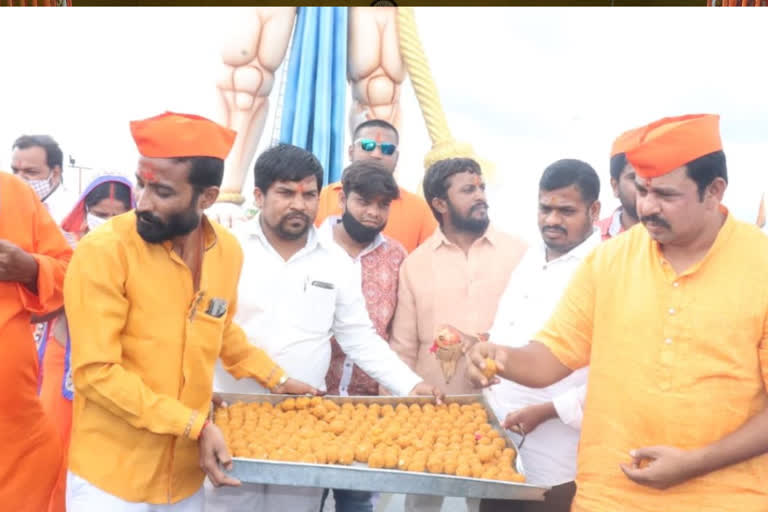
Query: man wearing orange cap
x,y
33,258
623,184
673,321
150,298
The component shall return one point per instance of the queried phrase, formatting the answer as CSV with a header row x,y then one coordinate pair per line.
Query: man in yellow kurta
x,y
672,318
150,298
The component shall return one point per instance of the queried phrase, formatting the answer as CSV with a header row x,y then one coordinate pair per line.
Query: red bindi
x,y
478,180
147,175
300,188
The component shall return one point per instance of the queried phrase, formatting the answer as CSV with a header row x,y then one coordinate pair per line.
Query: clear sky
x,y
525,86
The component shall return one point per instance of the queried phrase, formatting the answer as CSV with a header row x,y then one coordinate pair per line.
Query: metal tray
x,y
360,477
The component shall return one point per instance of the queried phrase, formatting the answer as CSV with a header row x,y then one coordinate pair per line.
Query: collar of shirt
x,y
578,253
314,242
439,239
59,202
325,232
615,228
723,236
209,236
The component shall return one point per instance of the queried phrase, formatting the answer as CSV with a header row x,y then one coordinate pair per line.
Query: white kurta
x,y
533,291
292,308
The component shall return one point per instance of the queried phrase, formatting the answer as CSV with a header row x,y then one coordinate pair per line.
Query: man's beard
x,y
286,233
358,231
154,231
468,223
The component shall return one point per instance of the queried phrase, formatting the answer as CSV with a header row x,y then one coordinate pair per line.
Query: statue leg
x,y
375,67
255,48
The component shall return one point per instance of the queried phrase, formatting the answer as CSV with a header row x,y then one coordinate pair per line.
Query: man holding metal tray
x,y
297,290
150,298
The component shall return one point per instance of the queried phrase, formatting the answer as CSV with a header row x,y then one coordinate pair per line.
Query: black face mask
x,y
153,230
360,233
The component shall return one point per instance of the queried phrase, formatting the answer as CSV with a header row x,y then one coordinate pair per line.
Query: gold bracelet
x,y
189,424
282,381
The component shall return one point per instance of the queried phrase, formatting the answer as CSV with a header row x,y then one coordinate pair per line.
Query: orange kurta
x,y
31,449
676,360
410,219
144,345
58,408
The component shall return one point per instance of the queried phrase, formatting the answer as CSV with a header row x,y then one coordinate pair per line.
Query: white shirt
x,y
533,291
60,202
325,231
292,308
615,228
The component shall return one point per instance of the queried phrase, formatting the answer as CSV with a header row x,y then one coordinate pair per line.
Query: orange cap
x,y
172,135
672,142
625,141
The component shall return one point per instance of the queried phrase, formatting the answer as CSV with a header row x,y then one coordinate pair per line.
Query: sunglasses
x,y
387,148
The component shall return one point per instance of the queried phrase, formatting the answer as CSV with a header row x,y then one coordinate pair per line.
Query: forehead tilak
x,y
147,175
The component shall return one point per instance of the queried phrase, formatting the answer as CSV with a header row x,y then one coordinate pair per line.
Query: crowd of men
x,y
632,350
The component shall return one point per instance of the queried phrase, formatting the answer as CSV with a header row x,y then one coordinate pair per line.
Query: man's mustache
x,y
554,228
292,216
149,218
478,205
655,219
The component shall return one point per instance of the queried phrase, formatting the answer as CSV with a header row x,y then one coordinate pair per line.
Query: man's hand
x,y
525,420
17,265
470,340
476,357
296,387
424,389
218,401
213,452
660,467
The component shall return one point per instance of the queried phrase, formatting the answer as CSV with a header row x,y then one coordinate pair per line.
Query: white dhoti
x,y
82,496
425,503
259,497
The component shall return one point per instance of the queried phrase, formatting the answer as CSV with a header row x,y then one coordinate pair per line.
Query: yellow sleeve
x,y
97,309
52,254
763,353
241,359
568,333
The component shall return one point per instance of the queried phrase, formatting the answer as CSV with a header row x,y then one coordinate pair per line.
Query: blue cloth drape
x,y
316,87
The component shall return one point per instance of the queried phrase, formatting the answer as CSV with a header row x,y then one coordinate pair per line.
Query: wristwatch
x,y
282,381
